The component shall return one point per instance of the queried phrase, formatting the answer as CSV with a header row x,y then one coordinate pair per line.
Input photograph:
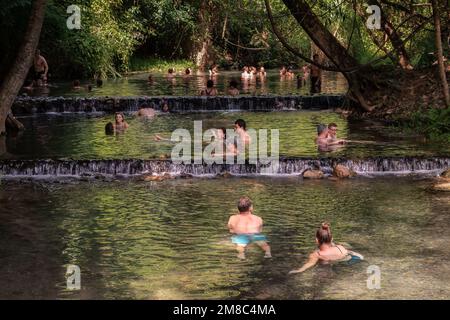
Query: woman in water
x,y
120,124
327,251
233,88
210,90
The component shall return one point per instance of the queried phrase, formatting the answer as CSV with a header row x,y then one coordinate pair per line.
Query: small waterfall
x,y
286,166
32,105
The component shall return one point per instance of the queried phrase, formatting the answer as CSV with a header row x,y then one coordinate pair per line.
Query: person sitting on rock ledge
x,y
145,112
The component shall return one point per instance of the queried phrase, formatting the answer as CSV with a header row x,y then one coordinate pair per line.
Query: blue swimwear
x,y
245,239
354,259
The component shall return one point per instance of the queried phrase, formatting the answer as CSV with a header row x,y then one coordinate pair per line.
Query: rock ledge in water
x,y
341,171
313,174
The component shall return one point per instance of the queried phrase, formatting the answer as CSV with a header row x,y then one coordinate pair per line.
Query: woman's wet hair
x,y
170,70
224,130
109,129
241,123
244,204
210,84
187,71
323,234
233,84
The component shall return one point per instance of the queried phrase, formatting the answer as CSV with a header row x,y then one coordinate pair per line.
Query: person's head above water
x,y
209,84
245,205
321,128
170,71
119,117
109,129
240,124
332,128
76,83
99,83
233,84
187,71
323,234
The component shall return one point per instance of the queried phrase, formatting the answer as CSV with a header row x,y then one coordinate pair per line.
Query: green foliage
x,y
434,123
113,31
152,64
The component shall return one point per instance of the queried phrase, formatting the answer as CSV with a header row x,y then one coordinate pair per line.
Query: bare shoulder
x,y
258,218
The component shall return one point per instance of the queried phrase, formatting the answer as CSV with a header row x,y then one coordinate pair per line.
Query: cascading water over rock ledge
x,y
32,105
287,166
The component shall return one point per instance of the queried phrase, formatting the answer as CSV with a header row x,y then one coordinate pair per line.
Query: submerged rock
x,y
185,176
446,174
150,177
442,186
313,174
224,174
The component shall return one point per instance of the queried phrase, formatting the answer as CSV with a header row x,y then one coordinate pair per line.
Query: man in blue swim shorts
x,y
247,229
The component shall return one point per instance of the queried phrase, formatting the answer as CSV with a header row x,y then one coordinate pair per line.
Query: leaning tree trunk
x,y
439,51
394,38
332,48
17,73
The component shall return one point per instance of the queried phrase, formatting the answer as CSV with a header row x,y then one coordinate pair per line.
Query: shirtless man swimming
x,y
40,69
328,136
247,228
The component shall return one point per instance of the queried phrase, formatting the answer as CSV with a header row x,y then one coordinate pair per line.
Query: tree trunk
x,y
440,51
394,38
380,44
332,48
16,75
202,41
3,149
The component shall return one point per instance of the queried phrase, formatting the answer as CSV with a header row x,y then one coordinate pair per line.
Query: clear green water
x,y
137,85
83,137
169,240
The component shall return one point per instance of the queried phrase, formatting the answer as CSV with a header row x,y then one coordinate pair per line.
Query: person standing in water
x,y
240,127
40,69
233,88
247,229
316,76
210,90
327,251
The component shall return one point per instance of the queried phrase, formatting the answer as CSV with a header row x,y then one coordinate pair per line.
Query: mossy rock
x,y
313,174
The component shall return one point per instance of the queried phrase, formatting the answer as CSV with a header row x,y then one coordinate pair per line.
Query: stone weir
x,y
32,105
287,166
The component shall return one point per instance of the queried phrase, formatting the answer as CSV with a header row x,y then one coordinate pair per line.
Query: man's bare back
x,y
246,223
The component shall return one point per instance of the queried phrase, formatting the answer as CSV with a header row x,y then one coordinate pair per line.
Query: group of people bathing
x,y
309,72
39,77
120,125
246,228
